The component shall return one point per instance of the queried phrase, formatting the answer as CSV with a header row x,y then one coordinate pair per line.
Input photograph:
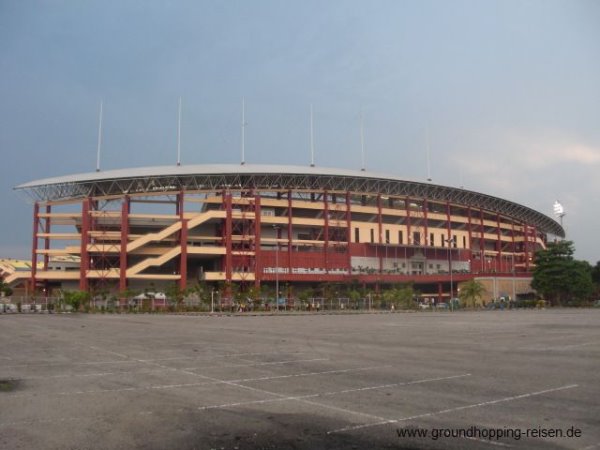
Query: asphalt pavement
x,y
490,379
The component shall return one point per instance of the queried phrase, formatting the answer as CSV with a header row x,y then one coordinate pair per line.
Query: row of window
x,y
416,239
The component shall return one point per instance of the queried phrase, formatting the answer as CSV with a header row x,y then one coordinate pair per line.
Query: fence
x,y
317,304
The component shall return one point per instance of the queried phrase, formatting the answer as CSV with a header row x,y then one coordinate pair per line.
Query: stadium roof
x,y
153,180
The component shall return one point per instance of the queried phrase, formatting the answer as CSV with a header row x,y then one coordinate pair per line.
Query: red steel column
x,y
470,229
534,245
34,246
257,242
183,240
183,256
482,239
47,239
228,229
85,257
426,237
513,247
498,245
448,223
47,228
379,231
289,232
407,206
125,208
326,230
349,230
526,248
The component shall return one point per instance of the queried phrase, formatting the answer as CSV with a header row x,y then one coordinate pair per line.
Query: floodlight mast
x,y
312,139
559,211
99,139
428,158
243,131
179,134
362,142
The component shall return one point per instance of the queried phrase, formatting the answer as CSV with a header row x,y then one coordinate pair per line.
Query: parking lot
x,y
301,381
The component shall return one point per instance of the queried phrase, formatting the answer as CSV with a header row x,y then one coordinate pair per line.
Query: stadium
x,y
281,227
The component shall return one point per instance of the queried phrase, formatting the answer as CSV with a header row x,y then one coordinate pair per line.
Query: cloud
x,y
497,156
548,148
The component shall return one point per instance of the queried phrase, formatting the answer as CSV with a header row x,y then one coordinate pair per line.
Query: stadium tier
x,y
262,224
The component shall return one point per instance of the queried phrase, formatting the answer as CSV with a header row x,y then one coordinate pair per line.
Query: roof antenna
x,y
99,139
243,130
312,139
362,142
428,157
179,135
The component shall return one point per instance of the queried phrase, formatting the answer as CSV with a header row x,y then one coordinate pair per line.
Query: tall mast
x,y
312,139
179,135
428,158
99,139
362,142
243,131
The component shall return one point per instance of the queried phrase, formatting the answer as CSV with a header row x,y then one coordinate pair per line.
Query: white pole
x,y
428,159
99,139
179,135
243,130
362,142
312,139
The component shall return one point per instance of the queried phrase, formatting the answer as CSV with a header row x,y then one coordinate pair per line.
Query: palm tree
x,y
471,293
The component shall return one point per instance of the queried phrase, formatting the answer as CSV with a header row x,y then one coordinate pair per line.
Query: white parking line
x,y
252,364
204,383
330,393
446,411
109,351
125,372
132,360
497,444
305,374
591,447
564,347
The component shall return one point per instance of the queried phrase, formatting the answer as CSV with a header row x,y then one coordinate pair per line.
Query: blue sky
x,y
508,92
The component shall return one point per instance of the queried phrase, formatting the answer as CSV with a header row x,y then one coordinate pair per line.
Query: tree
x,y
175,294
558,277
471,293
596,276
76,298
401,296
5,289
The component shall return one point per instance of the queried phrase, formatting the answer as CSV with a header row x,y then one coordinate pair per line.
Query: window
x,y
356,235
464,242
400,237
372,236
387,236
454,241
431,239
416,238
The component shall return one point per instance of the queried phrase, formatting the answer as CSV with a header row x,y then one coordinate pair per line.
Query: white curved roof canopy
x,y
218,176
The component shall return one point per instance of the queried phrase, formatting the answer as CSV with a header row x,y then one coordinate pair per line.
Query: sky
x,y
505,93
